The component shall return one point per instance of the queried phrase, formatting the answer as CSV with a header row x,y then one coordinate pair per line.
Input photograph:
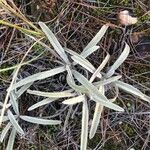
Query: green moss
x,y
94,141
129,130
52,129
38,48
112,145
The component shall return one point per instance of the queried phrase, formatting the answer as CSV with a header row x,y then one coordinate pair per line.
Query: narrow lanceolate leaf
x,y
97,37
110,80
52,94
83,54
119,61
44,45
5,118
84,130
14,122
40,120
132,90
96,95
23,89
13,101
41,103
89,51
97,116
38,76
71,82
74,100
102,65
96,119
5,131
84,63
78,59
53,40
11,140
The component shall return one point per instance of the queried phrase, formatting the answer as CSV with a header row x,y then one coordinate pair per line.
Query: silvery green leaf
x,y
44,45
23,89
84,130
4,132
52,94
71,82
1,104
96,119
97,116
89,51
102,65
11,140
108,104
96,38
78,59
74,100
14,122
40,120
76,87
119,61
53,40
38,76
96,95
41,103
5,118
7,106
132,90
13,101
85,64
110,80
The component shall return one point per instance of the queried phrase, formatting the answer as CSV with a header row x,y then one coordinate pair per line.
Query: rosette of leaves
x,y
85,88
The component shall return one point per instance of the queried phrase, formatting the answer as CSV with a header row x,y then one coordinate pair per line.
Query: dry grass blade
x,y
119,61
84,130
53,40
52,94
25,63
40,120
25,31
14,10
14,122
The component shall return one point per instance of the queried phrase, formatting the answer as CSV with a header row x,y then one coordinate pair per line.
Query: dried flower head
x,y
126,19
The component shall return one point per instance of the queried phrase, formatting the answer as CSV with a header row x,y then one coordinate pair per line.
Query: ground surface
x,y
75,23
